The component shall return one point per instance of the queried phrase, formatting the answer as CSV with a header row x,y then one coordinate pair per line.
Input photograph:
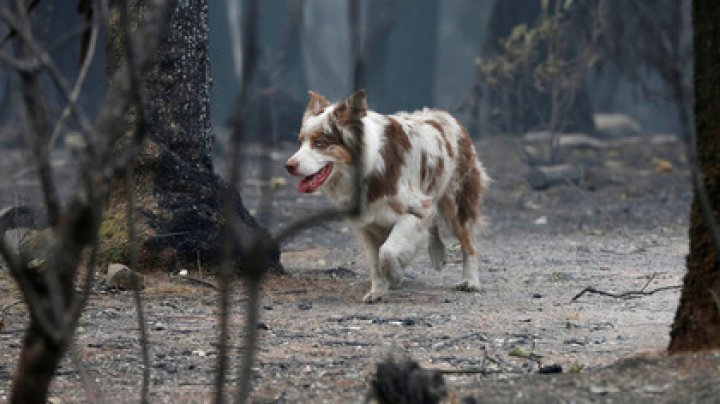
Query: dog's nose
x,y
292,166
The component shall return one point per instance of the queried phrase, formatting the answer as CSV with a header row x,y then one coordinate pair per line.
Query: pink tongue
x,y
310,183
307,185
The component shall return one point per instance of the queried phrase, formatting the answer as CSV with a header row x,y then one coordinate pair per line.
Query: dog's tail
x,y
436,249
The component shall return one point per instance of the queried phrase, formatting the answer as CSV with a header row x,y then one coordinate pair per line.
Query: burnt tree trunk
x,y
697,321
178,195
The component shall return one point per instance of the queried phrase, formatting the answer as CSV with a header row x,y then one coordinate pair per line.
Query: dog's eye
x,y
319,144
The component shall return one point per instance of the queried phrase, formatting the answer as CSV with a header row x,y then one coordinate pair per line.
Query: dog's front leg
x,y
379,285
394,254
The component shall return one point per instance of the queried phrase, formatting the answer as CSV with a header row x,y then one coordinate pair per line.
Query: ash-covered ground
x,y
623,227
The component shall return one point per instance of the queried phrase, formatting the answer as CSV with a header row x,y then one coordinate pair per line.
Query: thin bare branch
x,y
84,68
245,74
139,135
137,298
54,73
92,390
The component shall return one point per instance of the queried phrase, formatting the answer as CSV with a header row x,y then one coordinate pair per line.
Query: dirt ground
x,y
622,228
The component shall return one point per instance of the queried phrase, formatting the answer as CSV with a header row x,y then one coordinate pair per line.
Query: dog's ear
x,y
316,104
352,109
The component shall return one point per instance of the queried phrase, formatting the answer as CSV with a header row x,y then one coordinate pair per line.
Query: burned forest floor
x,y
622,227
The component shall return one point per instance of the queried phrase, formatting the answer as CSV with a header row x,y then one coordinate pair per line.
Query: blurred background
x,y
502,66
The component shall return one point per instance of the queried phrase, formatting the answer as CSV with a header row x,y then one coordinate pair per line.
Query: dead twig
x,y
246,53
633,294
139,135
92,390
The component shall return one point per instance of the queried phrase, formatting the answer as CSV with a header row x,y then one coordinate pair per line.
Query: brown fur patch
x,y
393,153
331,144
458,228
321,140
353,109
435,174
396,207
471,188
439,128
423,167
340,153
316,105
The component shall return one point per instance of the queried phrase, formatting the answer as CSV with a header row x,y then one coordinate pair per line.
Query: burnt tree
x,y
179,197
697,321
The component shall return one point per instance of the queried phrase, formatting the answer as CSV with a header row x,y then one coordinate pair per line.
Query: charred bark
x,y
179,196
697,321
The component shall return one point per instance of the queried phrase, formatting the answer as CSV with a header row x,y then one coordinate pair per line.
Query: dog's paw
x,y
467,286
372,298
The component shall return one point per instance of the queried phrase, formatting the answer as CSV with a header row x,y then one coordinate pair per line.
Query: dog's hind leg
x,y
465,231
436,249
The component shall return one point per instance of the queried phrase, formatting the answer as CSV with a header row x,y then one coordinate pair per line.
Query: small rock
x,y
262,326
304,305
537,295
615,125
121,277
574,341
652,389
542,220
597,341
544,177
602,390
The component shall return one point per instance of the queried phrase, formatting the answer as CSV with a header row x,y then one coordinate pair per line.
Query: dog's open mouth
x,y
313,182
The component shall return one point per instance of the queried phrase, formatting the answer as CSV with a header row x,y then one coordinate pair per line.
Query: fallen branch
x,y
633,294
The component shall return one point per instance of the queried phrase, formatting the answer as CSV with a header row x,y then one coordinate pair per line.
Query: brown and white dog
x,y
415,165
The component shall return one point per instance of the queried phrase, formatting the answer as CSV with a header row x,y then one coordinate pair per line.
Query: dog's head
x,y
327,141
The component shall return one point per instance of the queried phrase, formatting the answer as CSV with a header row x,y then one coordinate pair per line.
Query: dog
x,y
415,167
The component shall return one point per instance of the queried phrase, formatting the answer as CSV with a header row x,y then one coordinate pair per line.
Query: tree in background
x,y
534,63
697,321
539,52
179,197
400,52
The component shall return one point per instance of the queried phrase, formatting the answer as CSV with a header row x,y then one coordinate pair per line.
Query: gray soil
x,y
623,228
